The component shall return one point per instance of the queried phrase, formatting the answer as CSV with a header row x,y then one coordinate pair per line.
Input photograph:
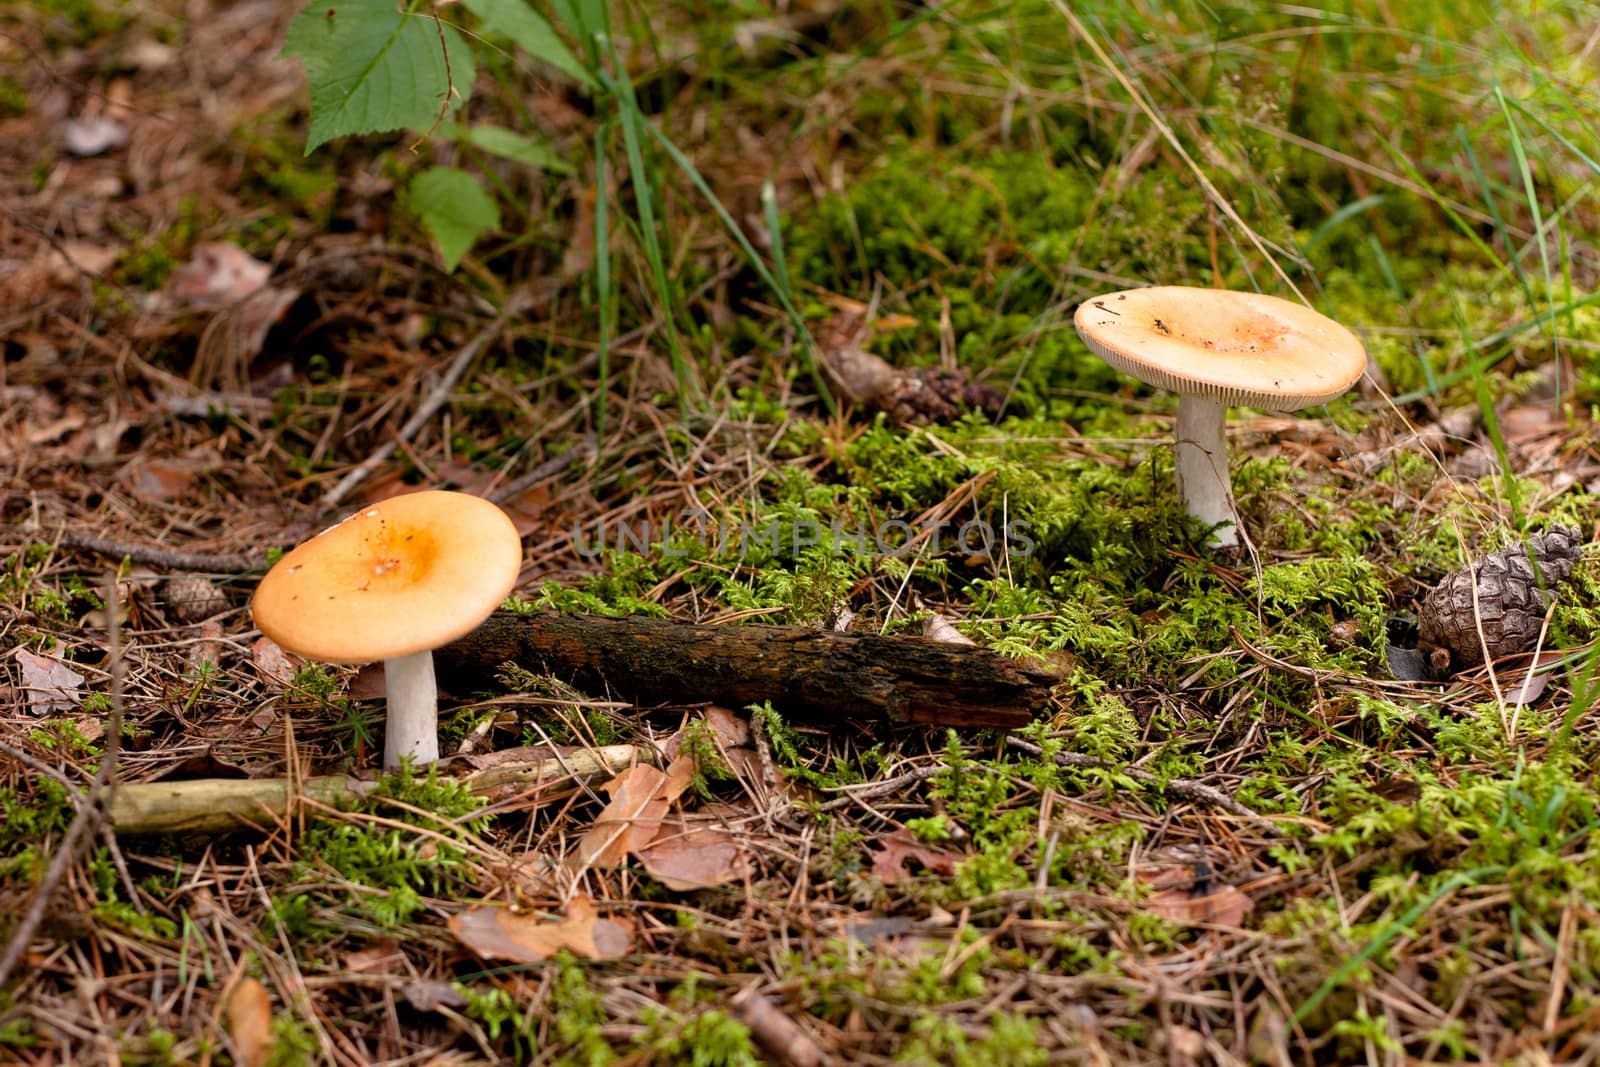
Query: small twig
x,y
1187,788
171,559
858,793
90,813
550,467
419,418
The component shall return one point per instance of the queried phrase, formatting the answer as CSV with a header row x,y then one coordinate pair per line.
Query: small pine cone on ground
x,y
193,598
1515,587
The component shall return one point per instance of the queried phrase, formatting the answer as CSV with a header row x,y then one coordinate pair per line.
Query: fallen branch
x,y
810,673
217,805
167,558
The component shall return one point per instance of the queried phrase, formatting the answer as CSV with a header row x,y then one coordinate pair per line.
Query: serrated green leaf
x,y
520,22
455,208
374,68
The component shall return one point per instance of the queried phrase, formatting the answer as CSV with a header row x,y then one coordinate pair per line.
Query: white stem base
x,y
1202,464
413,705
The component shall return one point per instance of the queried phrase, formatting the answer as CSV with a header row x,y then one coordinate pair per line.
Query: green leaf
x,y
507,144
516,20
455,209
374,68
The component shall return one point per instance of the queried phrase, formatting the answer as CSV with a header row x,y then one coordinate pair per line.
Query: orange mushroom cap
x,y
404,575
1240,348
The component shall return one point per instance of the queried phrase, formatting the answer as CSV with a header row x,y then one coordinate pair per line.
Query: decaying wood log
x,y
814,674
217,805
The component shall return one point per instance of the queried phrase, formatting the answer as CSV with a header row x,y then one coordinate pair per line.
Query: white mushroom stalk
x,y
412,696
1202,463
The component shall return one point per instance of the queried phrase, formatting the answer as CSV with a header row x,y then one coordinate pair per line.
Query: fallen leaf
x,y
275,666
428,995
256,317
71,260
159,479
899,848
731,733
1398,790
640,797
496,933
694,852
383,958
50,684
1406,664
1186,892
250,1023
1222,906
368,683
219,272
938,628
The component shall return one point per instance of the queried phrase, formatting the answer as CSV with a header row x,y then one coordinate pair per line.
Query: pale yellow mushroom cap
x,y
1240,348
408,574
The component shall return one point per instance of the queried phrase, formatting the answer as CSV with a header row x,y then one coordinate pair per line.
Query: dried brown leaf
x,y
640,797
219,272
275,666
1222,906
250,1023
898,849
49,683
496,933
939,628
694,852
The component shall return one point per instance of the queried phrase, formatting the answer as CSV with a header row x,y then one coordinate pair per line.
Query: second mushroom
x,y
393,582
1216,347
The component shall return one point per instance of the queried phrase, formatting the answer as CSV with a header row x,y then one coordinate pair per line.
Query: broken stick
x,y
813,674
217,805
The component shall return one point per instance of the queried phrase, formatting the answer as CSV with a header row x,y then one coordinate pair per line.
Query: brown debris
x,y
1497,604
496,933
915,396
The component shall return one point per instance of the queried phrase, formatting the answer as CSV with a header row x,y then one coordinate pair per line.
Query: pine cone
x,y
193,598
1515,587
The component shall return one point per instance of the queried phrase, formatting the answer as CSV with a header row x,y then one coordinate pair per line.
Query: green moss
x,y
377,873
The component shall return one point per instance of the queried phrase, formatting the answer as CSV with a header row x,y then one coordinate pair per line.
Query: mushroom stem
x,y
412,728
1202,464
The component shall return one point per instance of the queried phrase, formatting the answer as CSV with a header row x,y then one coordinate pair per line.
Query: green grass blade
x,y
1519,154
602,279
808,344
633,124
1399,926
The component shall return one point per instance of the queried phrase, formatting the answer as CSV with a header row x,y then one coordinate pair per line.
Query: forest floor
x,y
1231,835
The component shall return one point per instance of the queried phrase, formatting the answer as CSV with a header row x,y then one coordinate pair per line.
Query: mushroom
x,y
1215,347
393,582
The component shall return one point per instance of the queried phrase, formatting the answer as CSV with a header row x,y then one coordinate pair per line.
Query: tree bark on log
x,y
812,674
218,805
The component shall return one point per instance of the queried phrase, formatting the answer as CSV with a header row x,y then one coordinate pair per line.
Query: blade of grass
x,y
1389,933
633,122
602,278
808,344
1491,345
1392,280
1349,211
1491,421
1493,205
1521,157
769,210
